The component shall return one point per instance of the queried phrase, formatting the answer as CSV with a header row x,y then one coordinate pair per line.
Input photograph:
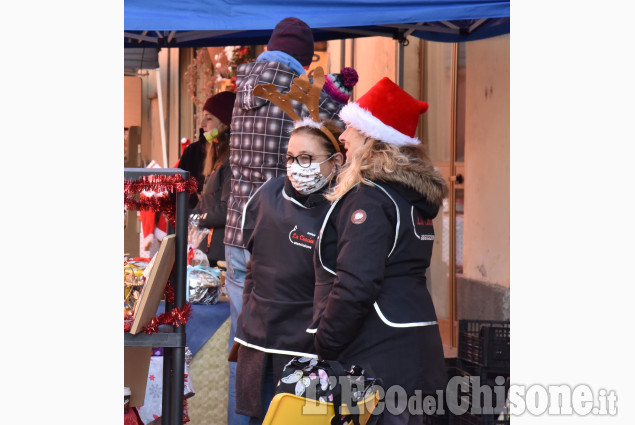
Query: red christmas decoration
x,y
157,183
175,317
160,203
169,293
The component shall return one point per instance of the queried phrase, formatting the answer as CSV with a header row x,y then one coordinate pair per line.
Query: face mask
x,y
307,180
211,135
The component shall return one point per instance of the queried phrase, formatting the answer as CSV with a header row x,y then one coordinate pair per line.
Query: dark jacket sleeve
x,y
217,211
248,283
251,211
192,161
362,251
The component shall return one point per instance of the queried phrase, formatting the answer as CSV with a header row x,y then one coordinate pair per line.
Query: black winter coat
x,y
371,306
213,210
192,160
282,227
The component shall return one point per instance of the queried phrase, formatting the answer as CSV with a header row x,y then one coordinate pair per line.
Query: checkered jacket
x,y
259,136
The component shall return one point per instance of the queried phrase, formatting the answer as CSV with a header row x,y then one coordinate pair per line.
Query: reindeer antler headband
x,y
304,92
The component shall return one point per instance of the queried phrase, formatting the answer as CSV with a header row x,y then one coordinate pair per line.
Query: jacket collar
x,y
283,58
308,201
423,180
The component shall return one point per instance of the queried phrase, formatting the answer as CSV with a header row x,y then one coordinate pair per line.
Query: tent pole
x,y
454,65
162,119
342,53
400,60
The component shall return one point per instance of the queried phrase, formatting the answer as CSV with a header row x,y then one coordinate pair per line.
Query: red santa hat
x,y
151,228
386,113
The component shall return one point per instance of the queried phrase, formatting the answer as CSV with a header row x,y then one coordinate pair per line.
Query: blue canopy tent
x,y
150,25
197,23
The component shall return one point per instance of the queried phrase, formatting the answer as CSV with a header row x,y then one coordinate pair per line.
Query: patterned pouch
x,y
327,381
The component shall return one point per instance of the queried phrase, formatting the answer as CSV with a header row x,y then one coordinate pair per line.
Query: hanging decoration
x,y
175,317
162,186
158,183
199,78
227,63
212,70
169,293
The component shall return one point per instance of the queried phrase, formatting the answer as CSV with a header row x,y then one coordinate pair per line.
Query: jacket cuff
x,y
324,353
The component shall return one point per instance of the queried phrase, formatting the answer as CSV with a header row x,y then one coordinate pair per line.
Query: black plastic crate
x,y
474,375
435,420
485,343
468,419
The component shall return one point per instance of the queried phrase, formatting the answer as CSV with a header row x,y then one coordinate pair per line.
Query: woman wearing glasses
x,y
281,222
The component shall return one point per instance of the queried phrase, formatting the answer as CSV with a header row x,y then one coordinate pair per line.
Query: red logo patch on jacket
x,y
358,217
305,240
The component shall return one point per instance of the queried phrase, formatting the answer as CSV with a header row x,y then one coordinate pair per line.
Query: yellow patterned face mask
x,y
211,135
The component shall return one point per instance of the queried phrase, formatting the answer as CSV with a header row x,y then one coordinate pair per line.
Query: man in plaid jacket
x,y
259,136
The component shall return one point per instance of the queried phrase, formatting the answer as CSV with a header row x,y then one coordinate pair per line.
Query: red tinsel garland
x,y
169,293
186,417
155,203
175,317
157,183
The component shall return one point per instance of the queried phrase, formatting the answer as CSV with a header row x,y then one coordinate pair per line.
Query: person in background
x,y
193,159
371,304
340,86
278,294
260,135
212,206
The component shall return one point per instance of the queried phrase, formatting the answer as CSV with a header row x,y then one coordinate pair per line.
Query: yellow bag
x,y
290,409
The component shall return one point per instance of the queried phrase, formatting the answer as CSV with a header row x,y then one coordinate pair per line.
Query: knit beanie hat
x,y
221,106
293,37
340,86
387,113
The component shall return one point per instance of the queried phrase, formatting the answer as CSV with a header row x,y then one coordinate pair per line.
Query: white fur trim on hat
x,y
307,122
371,126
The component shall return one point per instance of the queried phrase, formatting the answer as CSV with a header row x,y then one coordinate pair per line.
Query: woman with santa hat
x,y
371,304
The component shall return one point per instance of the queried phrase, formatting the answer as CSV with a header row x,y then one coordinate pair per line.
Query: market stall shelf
x,y
174,341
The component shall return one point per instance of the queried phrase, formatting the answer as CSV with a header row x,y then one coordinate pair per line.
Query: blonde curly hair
x,y
372,158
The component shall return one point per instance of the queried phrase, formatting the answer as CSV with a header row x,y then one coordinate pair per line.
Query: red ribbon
x,y
176,317
158,183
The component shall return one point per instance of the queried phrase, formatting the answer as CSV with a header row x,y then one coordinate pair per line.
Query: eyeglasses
x,y
304,160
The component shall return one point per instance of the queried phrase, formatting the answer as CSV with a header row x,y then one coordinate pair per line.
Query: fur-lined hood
x,y
422,178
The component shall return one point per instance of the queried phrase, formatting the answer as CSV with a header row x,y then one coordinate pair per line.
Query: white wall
x,y
374,59
486,231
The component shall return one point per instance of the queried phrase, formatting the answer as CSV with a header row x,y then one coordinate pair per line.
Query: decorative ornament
x,y
169,293
175,317
162,186
133,280
304,92
158,183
